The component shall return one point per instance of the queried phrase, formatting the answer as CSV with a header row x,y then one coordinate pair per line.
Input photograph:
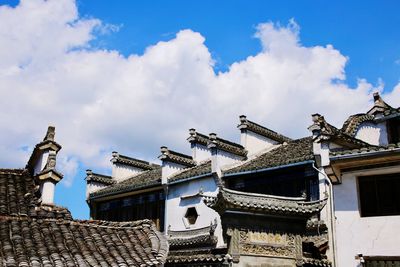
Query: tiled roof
x,y
392,111
327,131
202,169
196,137
143,180
32,234
200,257
173,156
261,130
137,163
294,151
200,237
365,150
100,178
228,199
352,124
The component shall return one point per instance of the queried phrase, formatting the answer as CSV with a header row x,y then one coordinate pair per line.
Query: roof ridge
x,y
261,130
134,162
173,156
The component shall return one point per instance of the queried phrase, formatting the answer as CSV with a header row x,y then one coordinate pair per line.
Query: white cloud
x,y
101,101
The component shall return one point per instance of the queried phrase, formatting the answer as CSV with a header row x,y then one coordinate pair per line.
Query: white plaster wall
x,y
378,236
121,172
225,158
254,143
47,192
93,187
176,207
169,168
374,134
41,162
200,152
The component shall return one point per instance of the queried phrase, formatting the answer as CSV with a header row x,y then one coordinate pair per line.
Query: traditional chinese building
x,y
366,185
36,232
270,200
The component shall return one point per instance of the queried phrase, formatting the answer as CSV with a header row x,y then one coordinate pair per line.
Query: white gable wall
x,y
177,207
362,235
169,168
200,152
93,187
374,134
254,142
120,171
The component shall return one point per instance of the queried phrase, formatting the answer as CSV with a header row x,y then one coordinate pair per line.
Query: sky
x,y
131,76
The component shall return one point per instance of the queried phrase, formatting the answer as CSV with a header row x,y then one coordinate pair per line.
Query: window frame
x,y
375,178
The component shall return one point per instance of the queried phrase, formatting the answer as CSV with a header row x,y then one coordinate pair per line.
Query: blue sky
x,y
123,76
365,31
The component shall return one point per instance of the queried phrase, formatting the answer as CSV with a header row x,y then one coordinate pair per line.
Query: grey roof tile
x,y
203,168
32,234
292,152
142,180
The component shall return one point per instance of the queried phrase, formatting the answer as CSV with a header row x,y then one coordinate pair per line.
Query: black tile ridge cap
x,y
262,130
179,154
196,137
219,139
176,157
111,190
89,172
141,164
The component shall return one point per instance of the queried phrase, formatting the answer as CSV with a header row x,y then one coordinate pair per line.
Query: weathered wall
x,y
362,235
176,207
121,172
254,143
375,134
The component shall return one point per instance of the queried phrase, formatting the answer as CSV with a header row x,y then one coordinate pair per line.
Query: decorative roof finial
x,y
51,132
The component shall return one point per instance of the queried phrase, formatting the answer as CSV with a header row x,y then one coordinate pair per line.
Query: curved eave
x,y
265,204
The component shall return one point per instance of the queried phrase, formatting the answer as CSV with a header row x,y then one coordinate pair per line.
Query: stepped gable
x,y
380,106
380,111
33,234
261,130
325,131
142,180
202,169
351,125
213,140
176,157
100,178
292,152
228,199
137,163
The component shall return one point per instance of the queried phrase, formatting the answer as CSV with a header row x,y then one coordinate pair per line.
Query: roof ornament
x,y
380,106
50,134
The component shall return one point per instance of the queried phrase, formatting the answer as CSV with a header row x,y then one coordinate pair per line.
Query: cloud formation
x,y
100,100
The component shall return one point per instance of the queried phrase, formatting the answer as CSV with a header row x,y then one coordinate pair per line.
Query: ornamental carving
x,y
267,243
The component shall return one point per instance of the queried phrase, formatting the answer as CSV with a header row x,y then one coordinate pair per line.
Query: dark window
x,y
379,195
191,215
137,207
393,126
289,182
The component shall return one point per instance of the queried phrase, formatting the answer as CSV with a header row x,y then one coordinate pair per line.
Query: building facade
x,y
270,200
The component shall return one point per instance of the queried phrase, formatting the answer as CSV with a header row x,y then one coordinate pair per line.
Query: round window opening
x,y
191,215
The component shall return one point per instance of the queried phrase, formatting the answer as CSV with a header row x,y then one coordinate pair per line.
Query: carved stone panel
x,y
267,244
